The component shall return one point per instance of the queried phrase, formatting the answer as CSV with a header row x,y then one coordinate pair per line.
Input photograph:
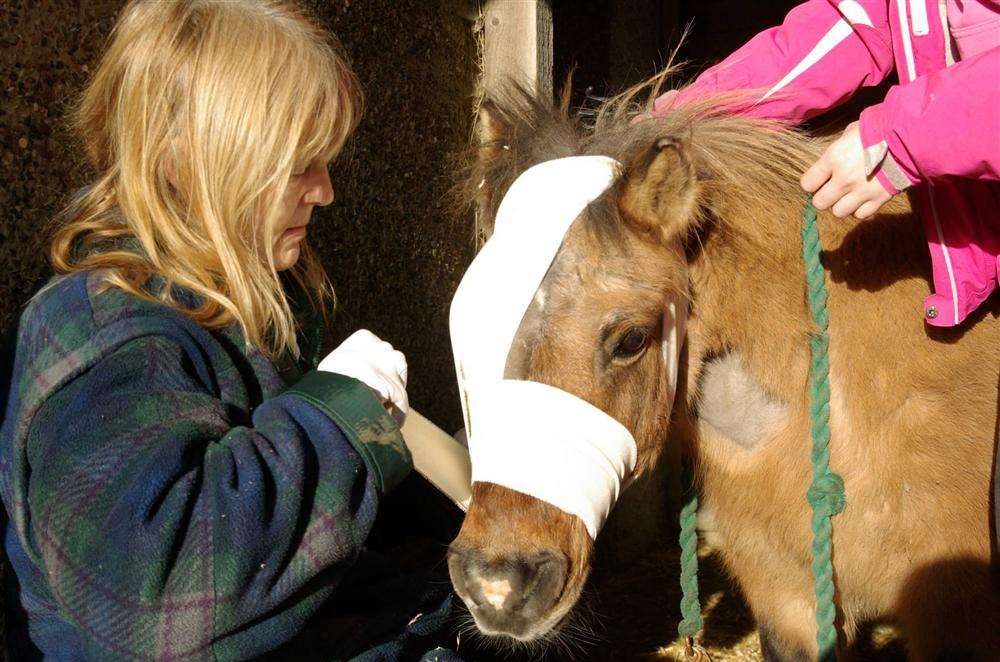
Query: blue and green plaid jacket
x,y
169,496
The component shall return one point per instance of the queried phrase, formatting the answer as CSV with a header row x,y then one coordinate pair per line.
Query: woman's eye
x,y
631,344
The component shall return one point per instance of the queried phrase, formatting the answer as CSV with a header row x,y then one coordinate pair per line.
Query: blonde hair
x,y
229,97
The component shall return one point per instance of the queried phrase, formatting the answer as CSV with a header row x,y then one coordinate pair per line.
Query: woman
x,y
169,494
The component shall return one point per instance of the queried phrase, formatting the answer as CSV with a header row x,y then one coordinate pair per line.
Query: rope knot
x,y
827,493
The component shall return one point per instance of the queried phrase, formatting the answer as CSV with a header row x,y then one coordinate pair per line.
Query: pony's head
x,y
596,323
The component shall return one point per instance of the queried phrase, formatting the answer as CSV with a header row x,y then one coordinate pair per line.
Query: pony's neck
x,y
748,289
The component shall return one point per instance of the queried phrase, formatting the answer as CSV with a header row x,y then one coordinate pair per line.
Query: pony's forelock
x,y
738,157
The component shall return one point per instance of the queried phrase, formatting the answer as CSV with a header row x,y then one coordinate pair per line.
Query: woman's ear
x,y
660,195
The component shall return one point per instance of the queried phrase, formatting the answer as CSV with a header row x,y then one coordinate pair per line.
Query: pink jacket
x,y
939,128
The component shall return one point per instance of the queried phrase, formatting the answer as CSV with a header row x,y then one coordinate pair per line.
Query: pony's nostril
x,y
544,576
460,567
509,595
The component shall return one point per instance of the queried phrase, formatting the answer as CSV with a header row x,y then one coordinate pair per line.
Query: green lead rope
x,y
825,494
690,624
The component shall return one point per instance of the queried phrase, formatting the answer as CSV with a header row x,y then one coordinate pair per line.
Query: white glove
x,y
375,363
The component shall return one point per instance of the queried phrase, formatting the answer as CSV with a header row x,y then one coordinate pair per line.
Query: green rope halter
x,y
825,494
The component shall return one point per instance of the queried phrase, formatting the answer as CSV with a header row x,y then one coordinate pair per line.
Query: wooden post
x,y
518,45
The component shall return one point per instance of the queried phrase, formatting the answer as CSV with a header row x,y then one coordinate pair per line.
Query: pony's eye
x,y
631,344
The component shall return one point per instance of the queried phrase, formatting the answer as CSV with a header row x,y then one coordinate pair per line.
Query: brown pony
x,y
708,206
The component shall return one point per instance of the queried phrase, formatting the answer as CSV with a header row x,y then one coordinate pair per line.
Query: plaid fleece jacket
x,y
169,496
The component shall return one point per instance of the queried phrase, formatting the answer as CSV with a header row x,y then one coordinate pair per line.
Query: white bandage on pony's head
x,y
527,436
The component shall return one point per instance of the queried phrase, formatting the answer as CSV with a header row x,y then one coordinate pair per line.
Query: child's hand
x,y
375,363
838,179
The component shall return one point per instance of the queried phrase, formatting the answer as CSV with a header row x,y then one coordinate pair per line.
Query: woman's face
x,y
306,188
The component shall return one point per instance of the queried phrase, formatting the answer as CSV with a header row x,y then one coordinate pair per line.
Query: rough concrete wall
x,y
46,51
389,246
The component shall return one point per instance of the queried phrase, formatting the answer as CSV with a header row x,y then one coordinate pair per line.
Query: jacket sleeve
x,y
169,523
819,57
945,123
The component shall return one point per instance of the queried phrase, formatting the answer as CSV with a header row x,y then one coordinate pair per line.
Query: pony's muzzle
x,y
508,595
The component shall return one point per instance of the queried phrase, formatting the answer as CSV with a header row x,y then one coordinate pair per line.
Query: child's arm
x,y
818,58
946,123
168,524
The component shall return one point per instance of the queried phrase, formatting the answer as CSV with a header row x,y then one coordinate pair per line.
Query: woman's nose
x,y
320,191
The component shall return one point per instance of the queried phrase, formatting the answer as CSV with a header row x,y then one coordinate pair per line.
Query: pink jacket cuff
x,y
884,154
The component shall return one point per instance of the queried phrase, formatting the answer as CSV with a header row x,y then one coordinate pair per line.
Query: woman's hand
x,y
375,363
838,180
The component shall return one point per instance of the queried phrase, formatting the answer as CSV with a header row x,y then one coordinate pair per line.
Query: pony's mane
x,y
743,163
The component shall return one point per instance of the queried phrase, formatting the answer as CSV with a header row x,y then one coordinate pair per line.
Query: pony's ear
x,y
660,193
493,130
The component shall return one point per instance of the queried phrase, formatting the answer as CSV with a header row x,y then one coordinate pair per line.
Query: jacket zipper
x,y
949,60
949,53
918,14
904,33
